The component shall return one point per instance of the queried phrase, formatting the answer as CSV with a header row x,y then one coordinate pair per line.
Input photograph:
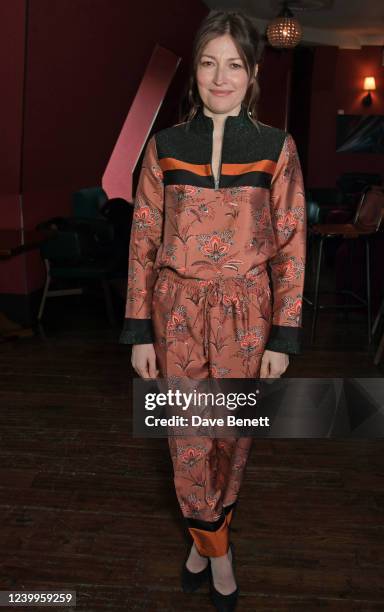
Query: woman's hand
x,y
273,364
144,360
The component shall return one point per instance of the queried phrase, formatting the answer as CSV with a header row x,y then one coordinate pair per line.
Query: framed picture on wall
x,y
360,134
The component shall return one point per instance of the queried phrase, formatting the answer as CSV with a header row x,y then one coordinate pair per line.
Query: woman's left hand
x,y
273,364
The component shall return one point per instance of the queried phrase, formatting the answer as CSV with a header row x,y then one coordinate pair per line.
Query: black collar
x,y
235,125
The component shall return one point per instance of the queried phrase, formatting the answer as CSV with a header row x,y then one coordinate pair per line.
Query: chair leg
x,y
379,351
316,297
108,303
380,314
45,292
349,275
368,273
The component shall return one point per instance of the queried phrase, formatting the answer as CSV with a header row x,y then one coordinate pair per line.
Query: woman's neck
x,y
219,118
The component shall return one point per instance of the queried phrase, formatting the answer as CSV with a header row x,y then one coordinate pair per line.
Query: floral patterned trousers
x,y
210,329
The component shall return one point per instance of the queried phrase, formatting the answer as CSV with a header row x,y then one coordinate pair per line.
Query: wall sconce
x,y
369,85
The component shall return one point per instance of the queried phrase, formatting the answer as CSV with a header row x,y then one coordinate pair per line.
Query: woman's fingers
x,y
264,368
273,364
142,368
144,360
153,371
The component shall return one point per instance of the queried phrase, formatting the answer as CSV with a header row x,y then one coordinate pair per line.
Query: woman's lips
x,y
217,92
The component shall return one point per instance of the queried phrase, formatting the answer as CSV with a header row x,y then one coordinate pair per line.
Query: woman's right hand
x,y
144,360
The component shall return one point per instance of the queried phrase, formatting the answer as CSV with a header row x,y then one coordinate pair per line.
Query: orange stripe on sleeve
x,y
264,165
170,163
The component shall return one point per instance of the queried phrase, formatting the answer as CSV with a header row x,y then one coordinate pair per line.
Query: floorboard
x,y
85,506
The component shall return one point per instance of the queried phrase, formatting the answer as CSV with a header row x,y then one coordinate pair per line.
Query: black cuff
x,y
284,339
137,331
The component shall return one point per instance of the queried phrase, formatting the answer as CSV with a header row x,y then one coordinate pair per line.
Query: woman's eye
x,y
234,65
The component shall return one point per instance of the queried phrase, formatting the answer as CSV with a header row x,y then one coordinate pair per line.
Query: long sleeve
x,y
288,211
145,239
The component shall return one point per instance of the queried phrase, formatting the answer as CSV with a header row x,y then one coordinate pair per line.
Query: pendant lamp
x,y
285,31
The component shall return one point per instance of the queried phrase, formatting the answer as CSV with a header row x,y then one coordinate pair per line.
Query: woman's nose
x,y
219,75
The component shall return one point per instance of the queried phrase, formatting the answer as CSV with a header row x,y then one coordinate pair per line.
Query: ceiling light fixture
x,y
285,31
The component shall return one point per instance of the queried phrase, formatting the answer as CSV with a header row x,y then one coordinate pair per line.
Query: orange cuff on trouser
x,y
213,543
229,516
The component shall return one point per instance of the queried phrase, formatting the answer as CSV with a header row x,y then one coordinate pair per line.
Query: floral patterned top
x,y
251,217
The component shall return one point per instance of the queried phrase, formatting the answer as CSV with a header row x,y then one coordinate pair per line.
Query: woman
x,y
220,199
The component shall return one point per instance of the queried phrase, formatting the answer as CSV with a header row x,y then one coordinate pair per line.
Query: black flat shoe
x,y
191,581
223,603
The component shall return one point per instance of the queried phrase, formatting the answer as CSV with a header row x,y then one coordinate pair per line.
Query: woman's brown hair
x,y
247,40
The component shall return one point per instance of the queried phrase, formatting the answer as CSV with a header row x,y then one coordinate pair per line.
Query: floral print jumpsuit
x,y
204,254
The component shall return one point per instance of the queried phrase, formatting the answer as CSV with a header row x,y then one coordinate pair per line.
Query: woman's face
x,y
221,76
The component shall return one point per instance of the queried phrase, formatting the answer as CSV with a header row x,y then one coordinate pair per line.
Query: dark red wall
x,y
85,60
12,27
12,24
337,83
274,79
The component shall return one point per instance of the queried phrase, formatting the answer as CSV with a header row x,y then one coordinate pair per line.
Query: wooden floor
x,y
86,507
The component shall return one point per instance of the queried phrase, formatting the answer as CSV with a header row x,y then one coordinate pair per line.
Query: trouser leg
x,y
207,471
200,476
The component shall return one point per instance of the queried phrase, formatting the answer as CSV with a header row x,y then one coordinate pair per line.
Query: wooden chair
x,y
365,224
67,257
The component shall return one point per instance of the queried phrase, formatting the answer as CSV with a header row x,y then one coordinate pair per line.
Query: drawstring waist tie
x,y
231,292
